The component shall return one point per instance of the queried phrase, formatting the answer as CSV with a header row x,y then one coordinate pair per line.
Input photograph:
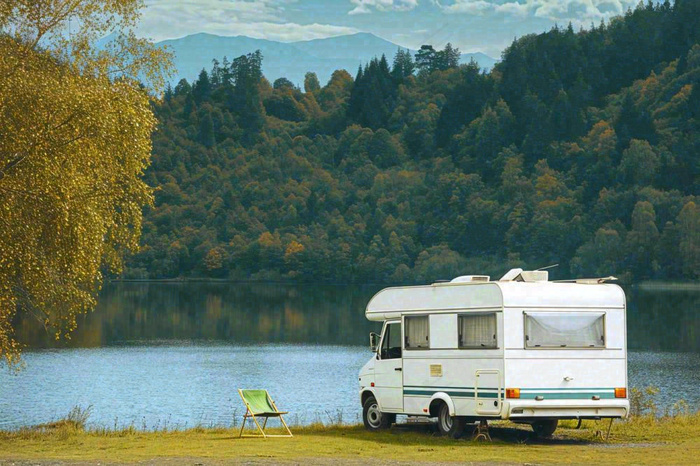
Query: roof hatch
x,y
471,278
520,275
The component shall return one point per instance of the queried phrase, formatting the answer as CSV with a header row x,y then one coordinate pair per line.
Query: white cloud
x,y
260,19
365,6
577,11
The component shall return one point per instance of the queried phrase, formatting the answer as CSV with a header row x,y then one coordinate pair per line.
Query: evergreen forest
x,y
580,148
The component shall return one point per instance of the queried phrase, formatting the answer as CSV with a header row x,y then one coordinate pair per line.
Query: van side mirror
x,y
373,342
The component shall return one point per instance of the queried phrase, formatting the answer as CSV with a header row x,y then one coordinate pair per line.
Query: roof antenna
x,y
548,267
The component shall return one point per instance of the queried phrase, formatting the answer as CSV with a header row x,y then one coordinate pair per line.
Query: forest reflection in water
x,y
663,318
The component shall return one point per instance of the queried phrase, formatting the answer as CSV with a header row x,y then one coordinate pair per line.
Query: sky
x,y
486,26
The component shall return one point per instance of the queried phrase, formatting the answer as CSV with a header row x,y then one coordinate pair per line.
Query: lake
x,y
173,354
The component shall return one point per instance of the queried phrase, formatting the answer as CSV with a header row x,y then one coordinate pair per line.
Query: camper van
x,y
521,348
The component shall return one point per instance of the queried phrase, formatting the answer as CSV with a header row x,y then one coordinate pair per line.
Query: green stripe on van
x,y
454,394
525,393
435,387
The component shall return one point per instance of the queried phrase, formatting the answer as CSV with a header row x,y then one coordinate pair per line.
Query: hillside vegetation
x,y
579,148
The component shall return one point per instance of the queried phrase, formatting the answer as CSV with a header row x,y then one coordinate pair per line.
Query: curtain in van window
x,y
477,331
565,329
417,332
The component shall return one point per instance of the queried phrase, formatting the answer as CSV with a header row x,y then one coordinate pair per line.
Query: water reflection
x,y
230,312
658,319
663,318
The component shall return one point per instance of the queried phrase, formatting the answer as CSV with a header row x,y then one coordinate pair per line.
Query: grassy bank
x,y
644,440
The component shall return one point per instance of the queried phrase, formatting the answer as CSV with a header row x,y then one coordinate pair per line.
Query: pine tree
x,y
403,65
216,76
206,130
373,96
632,123
245,100
425,59
202,87
449,57
182,87
168,94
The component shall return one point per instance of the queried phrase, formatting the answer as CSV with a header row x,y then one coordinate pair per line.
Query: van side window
x,y
477,330
391,343
564,330
417,332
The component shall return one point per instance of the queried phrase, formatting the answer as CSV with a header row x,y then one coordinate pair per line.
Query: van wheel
x,y
545,429
450,426
375,419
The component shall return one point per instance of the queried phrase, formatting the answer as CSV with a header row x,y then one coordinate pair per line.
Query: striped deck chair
x,y
259,404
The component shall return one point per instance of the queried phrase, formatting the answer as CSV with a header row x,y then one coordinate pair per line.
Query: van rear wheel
x,y
450,426
375,419
545,428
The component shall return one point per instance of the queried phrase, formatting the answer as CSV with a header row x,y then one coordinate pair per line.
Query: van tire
x,y
449,426
375,419
545,428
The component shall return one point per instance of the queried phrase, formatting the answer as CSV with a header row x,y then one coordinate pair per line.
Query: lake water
x,y
168,354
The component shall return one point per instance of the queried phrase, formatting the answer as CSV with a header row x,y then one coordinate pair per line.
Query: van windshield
x,y
564,329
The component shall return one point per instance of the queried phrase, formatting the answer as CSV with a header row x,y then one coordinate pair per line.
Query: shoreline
x,y
646,285
642,440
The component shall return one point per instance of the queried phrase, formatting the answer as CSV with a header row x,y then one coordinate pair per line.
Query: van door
x,y
488,391
388,369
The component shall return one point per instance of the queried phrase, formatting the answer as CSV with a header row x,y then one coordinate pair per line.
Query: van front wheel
x,y
373,418
451,426
545,429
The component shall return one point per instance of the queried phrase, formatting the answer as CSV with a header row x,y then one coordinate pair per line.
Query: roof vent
x,y
471,278
511,275
520,275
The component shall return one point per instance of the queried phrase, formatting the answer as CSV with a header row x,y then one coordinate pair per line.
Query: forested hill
x,y
579,148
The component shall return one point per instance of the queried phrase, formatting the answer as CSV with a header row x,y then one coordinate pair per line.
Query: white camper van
x,y
520,348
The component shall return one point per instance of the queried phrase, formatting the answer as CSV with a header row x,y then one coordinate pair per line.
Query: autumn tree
x,y
75,141
311,83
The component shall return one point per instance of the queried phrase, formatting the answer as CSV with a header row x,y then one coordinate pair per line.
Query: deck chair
x,y
259,404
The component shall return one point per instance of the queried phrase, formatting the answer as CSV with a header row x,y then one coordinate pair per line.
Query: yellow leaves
x,y
74,143
601,140
267,240
214,260
293,248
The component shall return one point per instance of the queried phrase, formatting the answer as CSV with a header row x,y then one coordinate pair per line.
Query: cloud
x,y
365,6
260,19
577,11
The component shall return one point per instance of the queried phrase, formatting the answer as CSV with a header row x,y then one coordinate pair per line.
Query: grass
x,y
642,440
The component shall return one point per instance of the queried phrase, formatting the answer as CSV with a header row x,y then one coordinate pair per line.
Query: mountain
x,y
482,59
290,60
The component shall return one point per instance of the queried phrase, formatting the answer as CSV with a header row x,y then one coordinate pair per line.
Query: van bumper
x,y
565,409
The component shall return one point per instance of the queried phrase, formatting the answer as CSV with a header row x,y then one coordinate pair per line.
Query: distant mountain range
x,y
291,60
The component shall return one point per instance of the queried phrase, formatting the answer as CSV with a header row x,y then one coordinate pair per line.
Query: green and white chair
x,y
259,405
